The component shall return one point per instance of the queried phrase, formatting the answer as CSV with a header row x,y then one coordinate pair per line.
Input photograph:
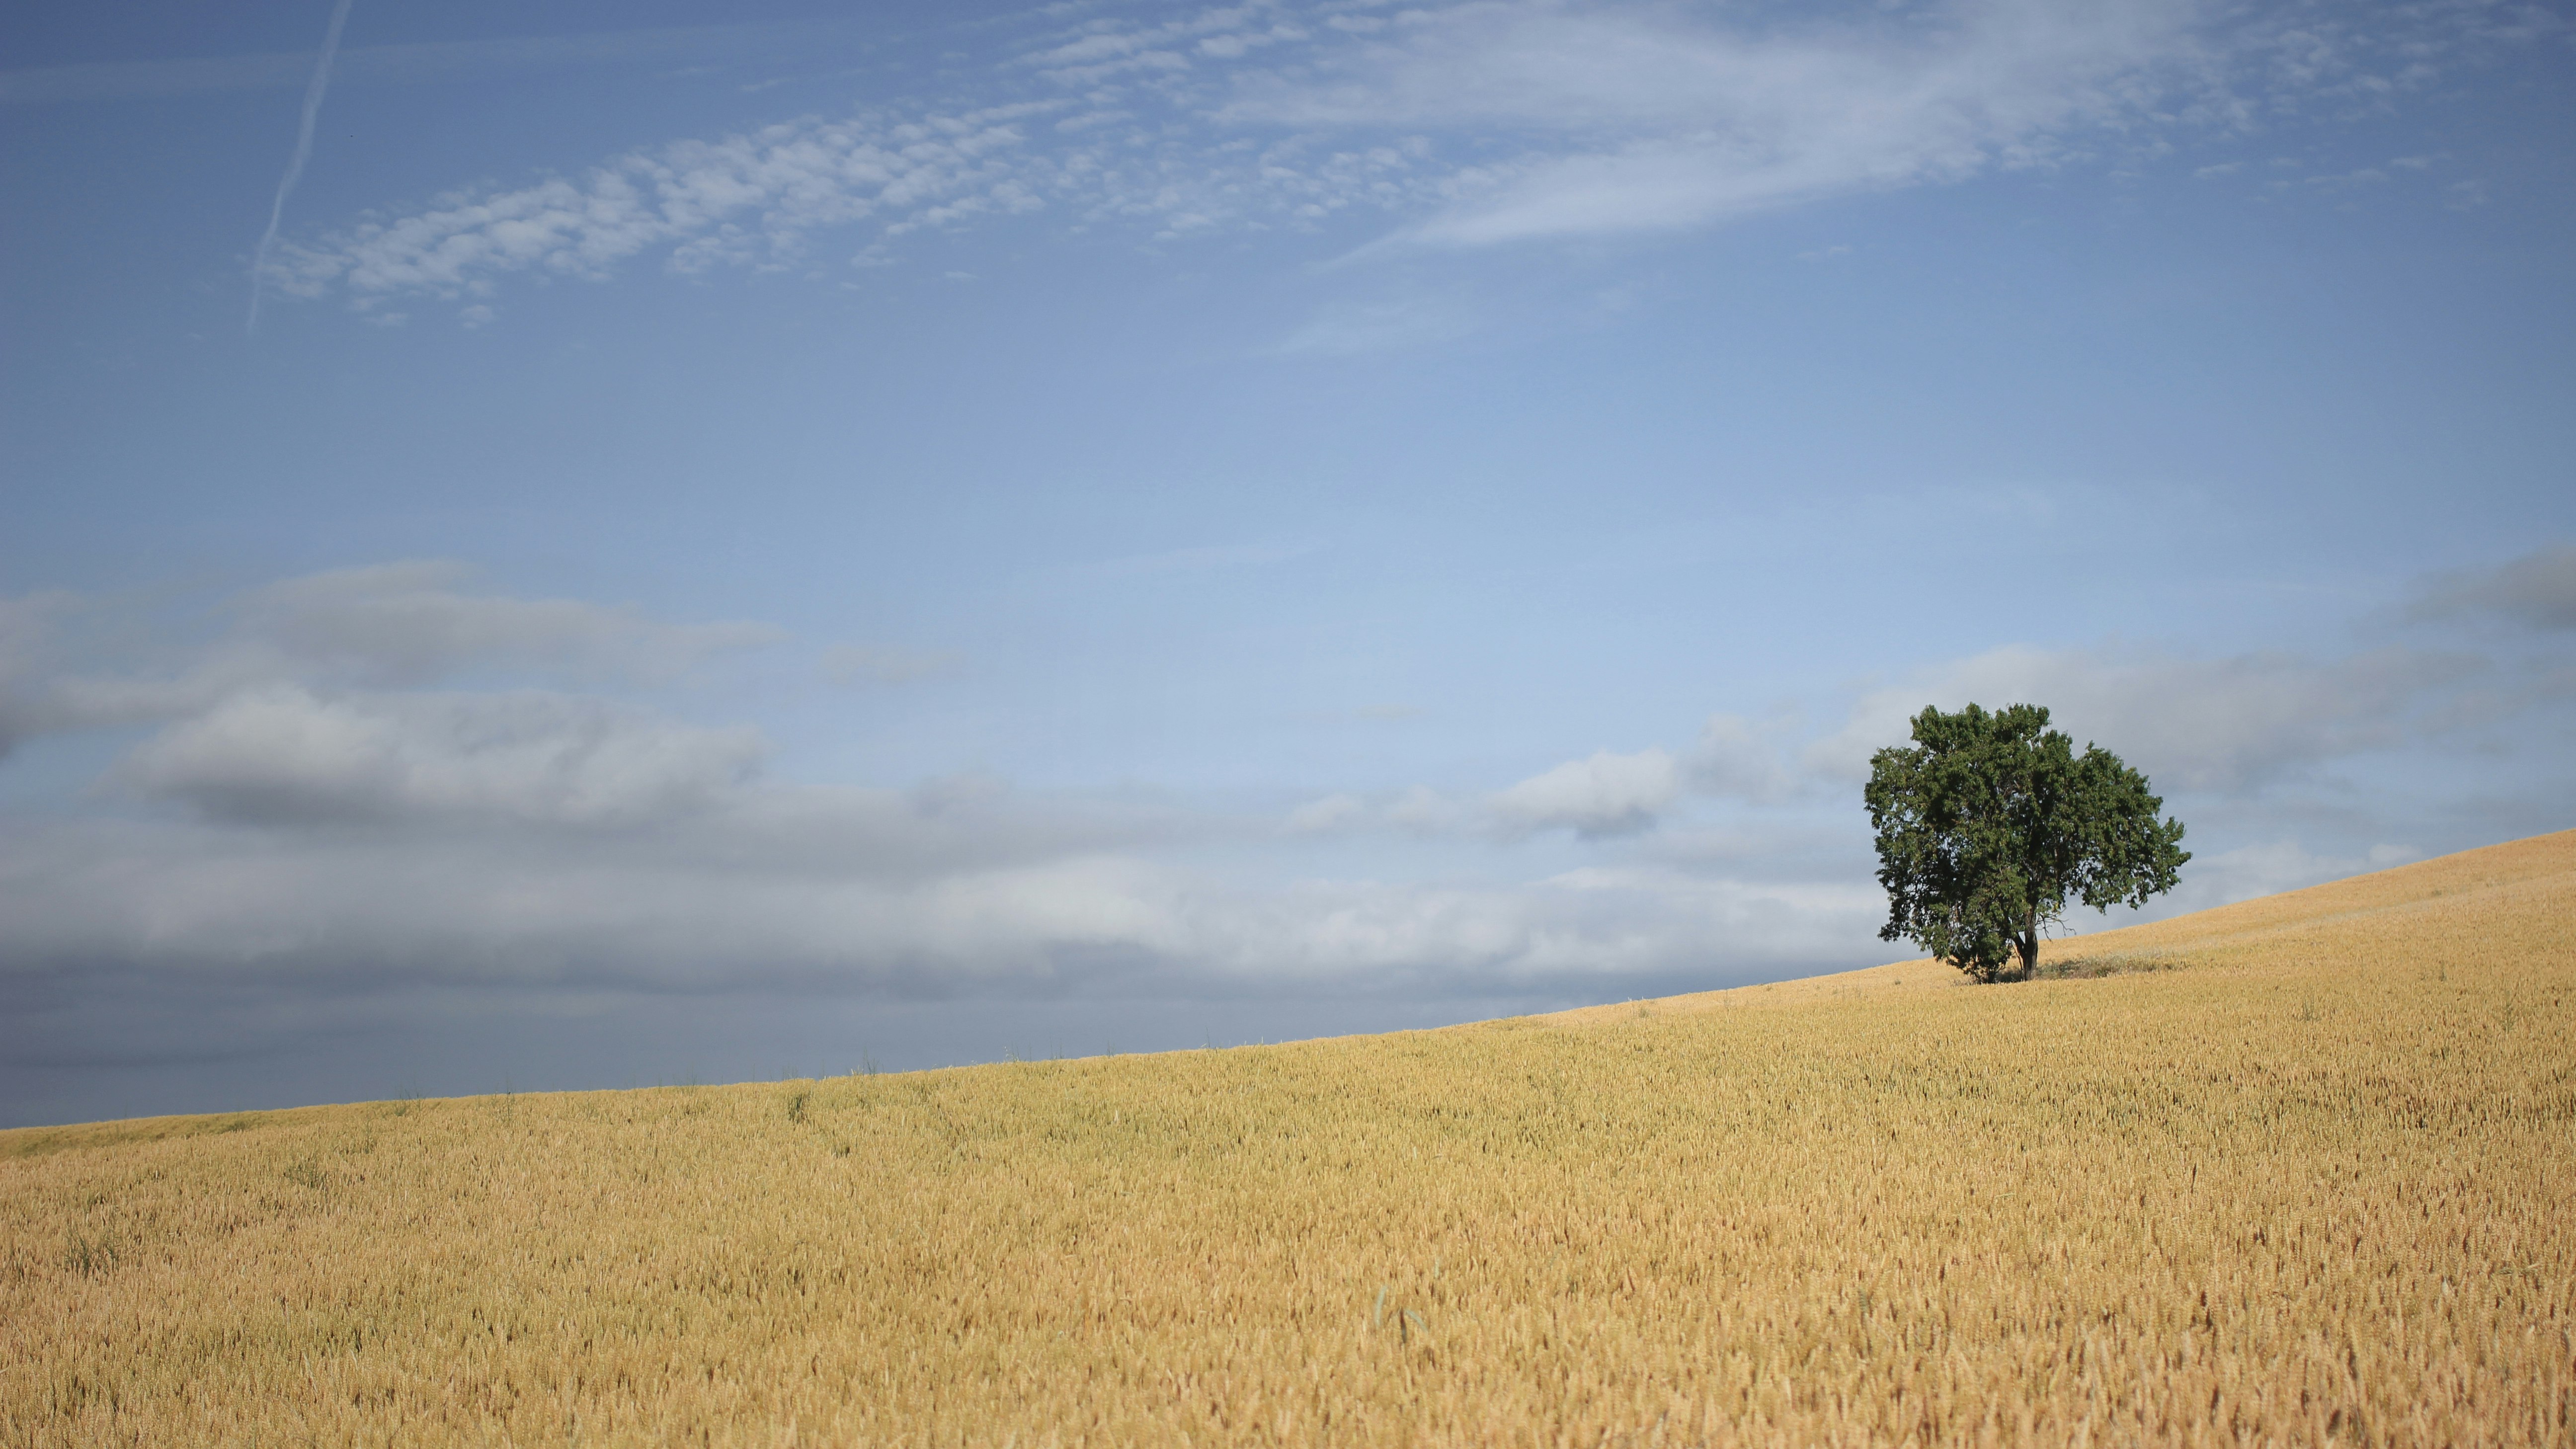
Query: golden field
x,y
2301,1170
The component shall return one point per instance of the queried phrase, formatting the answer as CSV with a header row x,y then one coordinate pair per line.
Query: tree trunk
x,y
2027,943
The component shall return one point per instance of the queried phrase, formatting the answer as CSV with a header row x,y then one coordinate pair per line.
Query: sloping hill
x,y
2301,1170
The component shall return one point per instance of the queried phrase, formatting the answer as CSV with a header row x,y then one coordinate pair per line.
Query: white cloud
x,y
1655,121
687,910
1422,810
306,807
415,622
381,625
740,198
1108,48
282,753
1600,796
1811,920
1735,757
1332,812
2269,868
383,908
1579,926
2191,724
1604,794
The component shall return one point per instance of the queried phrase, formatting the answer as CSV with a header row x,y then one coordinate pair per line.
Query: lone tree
x,y
1991,823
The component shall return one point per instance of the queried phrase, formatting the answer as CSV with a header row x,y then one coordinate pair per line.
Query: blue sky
x,y
758,540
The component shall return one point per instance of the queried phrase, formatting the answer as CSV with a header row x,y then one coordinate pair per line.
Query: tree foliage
x,y
1991,823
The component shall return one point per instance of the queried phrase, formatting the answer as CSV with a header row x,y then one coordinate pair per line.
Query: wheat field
x,y
2298,1171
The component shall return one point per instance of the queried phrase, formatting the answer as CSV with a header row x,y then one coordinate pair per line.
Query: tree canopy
x,y
1990,823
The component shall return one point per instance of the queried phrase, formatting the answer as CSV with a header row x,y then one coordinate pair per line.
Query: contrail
x,y
303,149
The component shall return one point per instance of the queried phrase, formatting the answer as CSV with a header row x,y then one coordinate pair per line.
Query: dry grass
x,y
2308,1182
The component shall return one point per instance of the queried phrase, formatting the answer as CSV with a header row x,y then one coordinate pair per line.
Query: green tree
x,y
1991,823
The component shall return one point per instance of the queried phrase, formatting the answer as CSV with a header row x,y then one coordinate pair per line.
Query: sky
x,y
563,545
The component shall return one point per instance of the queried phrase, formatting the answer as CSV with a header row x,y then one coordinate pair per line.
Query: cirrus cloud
x,y
1465,125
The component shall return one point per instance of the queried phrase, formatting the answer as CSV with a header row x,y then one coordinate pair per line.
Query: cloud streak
x,y
742,199
417,63
303,152
1657,122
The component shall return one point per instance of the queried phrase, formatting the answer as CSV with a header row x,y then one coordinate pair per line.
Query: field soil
x,y
2297,1171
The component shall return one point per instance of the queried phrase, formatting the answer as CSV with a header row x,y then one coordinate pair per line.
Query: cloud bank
x,y
392,778
384,776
